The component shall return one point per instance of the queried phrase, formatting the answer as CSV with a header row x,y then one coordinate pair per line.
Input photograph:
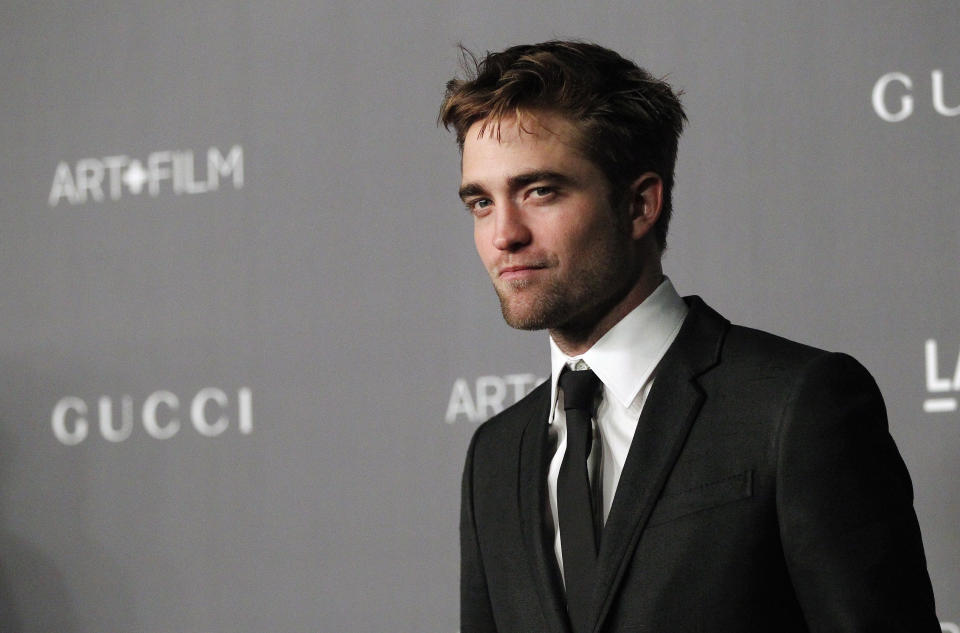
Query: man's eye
x,y
478,206
542,192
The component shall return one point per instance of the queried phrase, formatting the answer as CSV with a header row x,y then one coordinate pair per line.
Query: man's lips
x,y
514,272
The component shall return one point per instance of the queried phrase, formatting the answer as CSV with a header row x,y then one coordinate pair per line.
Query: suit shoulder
x,y
750,342
709,338
508,425
754,351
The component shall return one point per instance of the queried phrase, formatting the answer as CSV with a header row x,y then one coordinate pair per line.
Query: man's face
x,y
559,255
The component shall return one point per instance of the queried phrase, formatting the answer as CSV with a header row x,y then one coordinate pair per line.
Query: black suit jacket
x,y
762,492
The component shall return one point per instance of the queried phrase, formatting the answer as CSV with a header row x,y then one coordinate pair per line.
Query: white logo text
x,y
902,85
96,179
158,415
489,395
937,384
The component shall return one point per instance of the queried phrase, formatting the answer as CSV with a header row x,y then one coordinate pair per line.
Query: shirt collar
x,y
624,358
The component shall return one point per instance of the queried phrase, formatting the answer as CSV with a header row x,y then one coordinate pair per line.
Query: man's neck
x,y
574,341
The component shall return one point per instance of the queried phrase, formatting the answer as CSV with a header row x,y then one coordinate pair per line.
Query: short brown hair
x,y
630,121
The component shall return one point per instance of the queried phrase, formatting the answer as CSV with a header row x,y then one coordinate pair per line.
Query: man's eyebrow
x,y
522,180
519,181
468,191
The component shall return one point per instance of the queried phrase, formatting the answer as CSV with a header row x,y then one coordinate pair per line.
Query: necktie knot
x,y
579,389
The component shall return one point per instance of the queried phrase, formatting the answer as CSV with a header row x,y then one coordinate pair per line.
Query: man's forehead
x,y
527,141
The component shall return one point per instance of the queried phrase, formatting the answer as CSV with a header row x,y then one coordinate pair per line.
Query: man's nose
x,y
511,232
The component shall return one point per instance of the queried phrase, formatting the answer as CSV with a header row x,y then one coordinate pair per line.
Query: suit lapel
x,y
666,419
532,500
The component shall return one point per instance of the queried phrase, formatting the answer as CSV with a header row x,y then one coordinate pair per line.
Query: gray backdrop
x,y
245,337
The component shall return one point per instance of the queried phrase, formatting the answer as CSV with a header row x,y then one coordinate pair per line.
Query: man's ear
x,y
646,202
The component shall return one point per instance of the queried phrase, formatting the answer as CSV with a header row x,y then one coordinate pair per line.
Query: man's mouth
x,y
519,272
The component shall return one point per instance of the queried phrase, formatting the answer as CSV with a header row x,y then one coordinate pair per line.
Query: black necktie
x,y
579,533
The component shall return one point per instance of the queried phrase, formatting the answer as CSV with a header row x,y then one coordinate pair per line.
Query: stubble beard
x,y
535,312
570,304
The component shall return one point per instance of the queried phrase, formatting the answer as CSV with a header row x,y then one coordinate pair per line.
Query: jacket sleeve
x,y
476,614
845,506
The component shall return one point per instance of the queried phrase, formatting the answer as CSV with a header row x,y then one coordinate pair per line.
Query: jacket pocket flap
x,y
709,495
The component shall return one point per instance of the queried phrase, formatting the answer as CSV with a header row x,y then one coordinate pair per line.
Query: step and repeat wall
x,y
245,338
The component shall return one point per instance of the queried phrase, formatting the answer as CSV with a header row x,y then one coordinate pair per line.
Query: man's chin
x,y
523,315
526,305
523,323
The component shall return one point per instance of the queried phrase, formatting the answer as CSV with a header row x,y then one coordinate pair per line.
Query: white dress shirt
x,y
624,359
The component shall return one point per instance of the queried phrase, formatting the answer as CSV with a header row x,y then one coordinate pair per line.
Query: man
x,y
677,473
